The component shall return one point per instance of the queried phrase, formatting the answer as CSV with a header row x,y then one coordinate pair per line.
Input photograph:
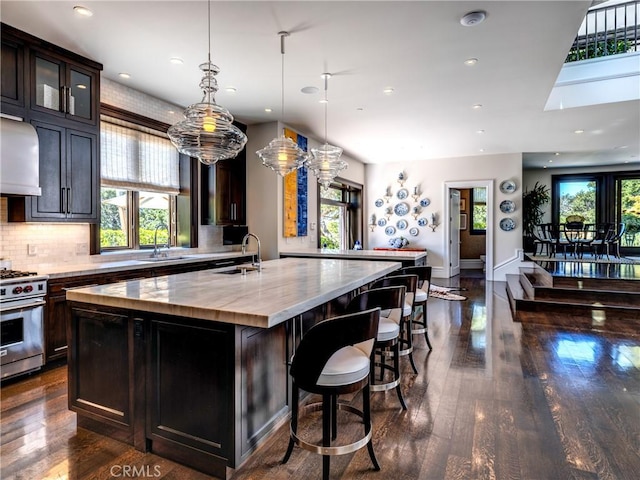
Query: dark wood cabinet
x,y
58,92
12,64
70,178
223,188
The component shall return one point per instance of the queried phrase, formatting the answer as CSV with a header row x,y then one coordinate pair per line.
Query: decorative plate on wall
x,y
379,202
425,202
507,206
507,224
401,209
422,222
508,186
402,193
401,224
390,230
414,231
382,222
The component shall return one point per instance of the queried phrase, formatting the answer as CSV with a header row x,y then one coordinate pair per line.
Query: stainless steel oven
x,y
22,300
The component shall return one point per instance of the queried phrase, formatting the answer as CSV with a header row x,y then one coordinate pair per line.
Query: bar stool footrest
x,y
338,450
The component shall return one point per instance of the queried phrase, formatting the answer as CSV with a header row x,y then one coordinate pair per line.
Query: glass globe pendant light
x,y
326,163
207,131
282,155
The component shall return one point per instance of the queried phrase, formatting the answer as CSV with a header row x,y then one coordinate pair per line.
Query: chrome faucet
x,y
156,250
245,241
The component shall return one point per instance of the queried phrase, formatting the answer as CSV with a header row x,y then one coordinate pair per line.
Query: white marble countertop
x,y
283,289
71,270
391,255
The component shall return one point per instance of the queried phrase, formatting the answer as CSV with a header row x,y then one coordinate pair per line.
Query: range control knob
x,y
17,290
28,289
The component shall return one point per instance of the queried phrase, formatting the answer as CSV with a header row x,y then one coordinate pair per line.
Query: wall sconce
x,y
415,212
388,212
388,194
372,222
416,193
434,223
402,178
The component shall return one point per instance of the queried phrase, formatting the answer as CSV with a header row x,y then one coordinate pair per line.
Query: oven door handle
x,y
10,306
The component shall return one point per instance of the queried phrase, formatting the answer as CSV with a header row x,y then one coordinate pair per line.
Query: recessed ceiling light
x,y
230,90
578,132
82,11
557,153
171,112
477,106
544,166
124,75
481,150
323,100
176,60
550,161
479,131
309,90
268,110
388,91
470,61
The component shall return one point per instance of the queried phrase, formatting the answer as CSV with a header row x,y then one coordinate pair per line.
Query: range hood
x,y
19,158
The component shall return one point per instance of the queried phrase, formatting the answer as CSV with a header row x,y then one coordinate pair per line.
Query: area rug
x,y
584,259
445,293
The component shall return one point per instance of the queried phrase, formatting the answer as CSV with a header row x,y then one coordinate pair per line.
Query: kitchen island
x,y
409,258
193,366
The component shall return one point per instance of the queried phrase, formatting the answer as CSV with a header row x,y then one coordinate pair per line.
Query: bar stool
x,y
391,300
419,321
334,358
410,282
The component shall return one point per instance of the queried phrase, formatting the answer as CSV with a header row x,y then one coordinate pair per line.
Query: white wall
x,y
431,176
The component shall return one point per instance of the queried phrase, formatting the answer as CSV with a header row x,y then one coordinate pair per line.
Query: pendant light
x,y
207,131
325,163
282,155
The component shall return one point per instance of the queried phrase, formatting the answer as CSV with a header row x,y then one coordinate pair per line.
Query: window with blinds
x,y
136,158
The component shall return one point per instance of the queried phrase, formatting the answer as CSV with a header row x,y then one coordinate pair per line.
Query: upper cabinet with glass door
x,y
62,88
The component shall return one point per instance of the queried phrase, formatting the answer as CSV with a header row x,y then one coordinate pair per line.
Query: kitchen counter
x,y
194,366
408,258
283,289
64,271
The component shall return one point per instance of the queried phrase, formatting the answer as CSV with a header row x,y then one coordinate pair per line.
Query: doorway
x,y
452,232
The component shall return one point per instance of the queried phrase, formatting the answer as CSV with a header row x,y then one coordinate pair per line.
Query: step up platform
x,y
594,296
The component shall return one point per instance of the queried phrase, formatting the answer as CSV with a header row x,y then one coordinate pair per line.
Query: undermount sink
x,y
161,259
242,269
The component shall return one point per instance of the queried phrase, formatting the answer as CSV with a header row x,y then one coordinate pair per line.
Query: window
x,y
340,215
479,211
140,182
577,197
629,210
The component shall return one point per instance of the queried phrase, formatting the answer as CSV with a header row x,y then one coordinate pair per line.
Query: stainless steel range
x,y
21,321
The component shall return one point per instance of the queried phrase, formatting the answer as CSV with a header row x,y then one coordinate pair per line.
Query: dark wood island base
x,y
202,392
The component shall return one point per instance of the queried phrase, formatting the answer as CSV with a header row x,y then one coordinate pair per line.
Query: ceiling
x,y
418,48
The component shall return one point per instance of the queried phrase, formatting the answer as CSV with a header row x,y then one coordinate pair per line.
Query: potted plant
x,y
532,213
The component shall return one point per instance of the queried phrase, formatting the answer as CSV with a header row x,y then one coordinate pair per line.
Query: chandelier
x,y
326,163
282,155
207,131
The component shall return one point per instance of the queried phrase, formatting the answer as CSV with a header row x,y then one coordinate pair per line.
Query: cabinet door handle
x,y
63,95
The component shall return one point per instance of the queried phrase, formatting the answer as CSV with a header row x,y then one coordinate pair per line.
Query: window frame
x,y
476,231
186,202
352,195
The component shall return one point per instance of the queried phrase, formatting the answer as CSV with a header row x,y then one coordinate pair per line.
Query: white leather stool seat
x,y
347,365
388,329
421,295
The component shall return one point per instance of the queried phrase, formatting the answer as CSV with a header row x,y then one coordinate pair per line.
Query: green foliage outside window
x,y
599,49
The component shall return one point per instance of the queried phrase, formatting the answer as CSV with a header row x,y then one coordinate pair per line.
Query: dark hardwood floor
x,y
494,399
